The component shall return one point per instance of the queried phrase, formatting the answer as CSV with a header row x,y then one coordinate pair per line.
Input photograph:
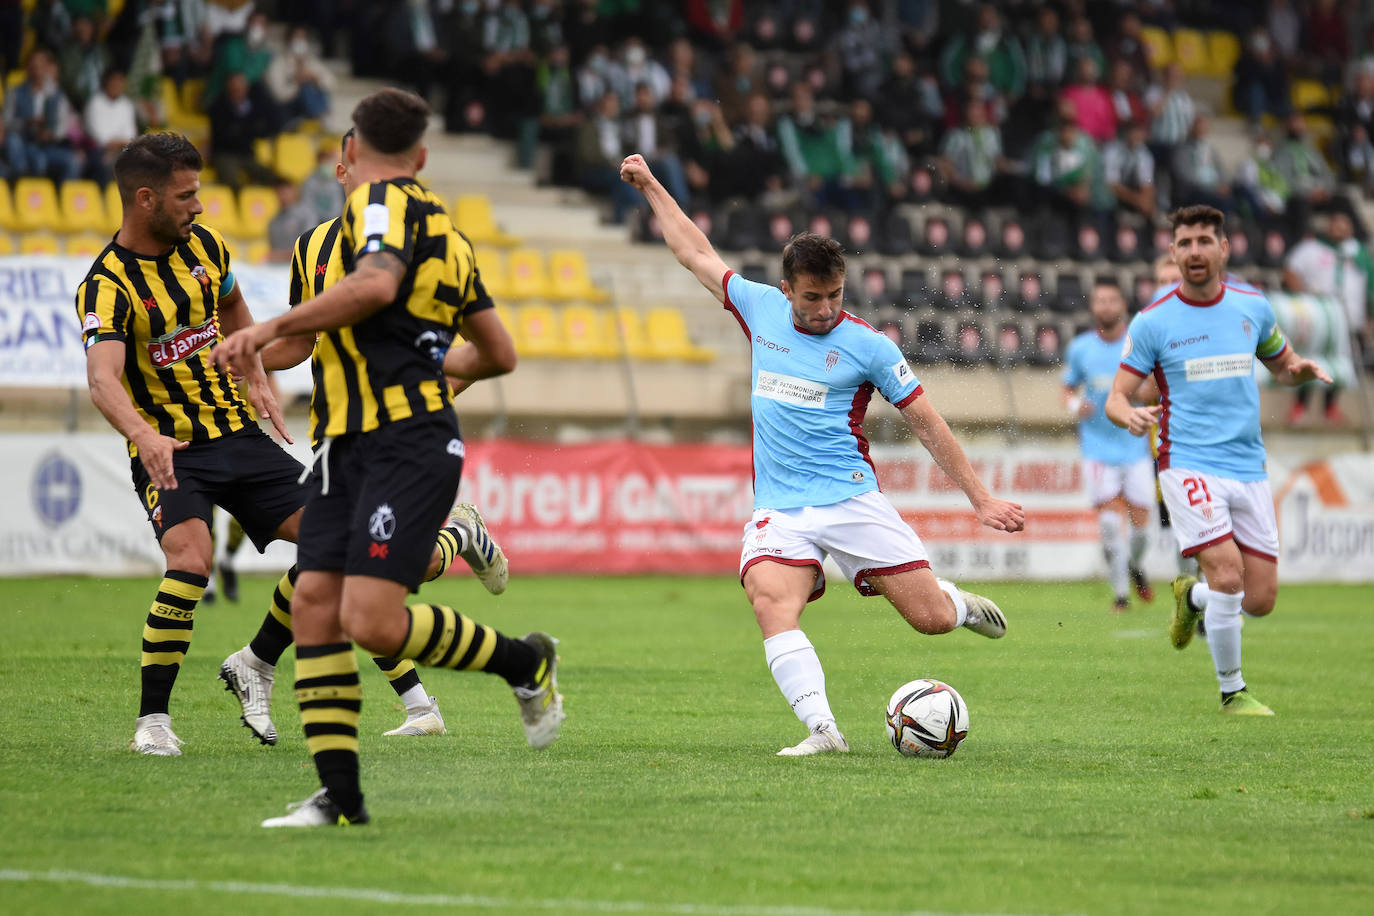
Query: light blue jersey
x,y
1202,355
1230,280
810,392
1091,362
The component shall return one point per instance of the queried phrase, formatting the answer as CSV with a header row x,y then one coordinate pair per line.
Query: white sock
x,y
415,699
1223,638
960,605
1114,550
1200,595
797,669
252,659
461,532
1140,540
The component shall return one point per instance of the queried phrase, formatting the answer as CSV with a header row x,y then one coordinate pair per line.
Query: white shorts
x,y
1205,509
1134,481
864,535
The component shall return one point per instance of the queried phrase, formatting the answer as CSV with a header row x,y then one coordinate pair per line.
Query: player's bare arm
x,y
684,239
234,316
1288,368
486,351
285,352
927,424
104,374
370,288
1122,412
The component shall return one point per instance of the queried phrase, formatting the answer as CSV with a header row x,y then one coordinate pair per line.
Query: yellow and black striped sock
x,y
447,544
167,636
234,540
440,637
331,700
400,672
274,635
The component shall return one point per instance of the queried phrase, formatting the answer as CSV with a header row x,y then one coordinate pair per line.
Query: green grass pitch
x,y
1098,776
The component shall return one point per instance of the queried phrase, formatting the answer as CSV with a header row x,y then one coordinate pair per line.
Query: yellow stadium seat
x,y
539,331
39,243
511,320
1309,94
1223,50
221,209
193,96
85,245
1158,46
7,217
473,216
586,333
528,277
294,157
264,151
14,78
114,207
666,330
491,264
1190,50
178,116
572,278
257,206
6,244
629,328
83,207
35,205
254,251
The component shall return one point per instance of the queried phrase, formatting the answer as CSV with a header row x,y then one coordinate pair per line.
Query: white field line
x,y
466,901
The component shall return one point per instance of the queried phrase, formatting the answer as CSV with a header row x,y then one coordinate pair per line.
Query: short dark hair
x,y
809,253
1199,215
1109,282
343,141
149,161
391,121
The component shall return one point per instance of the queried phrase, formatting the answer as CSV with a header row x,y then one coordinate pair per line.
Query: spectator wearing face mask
x,y
299,79
246,52
863,45
997,47
642,70
1260,187
1261,82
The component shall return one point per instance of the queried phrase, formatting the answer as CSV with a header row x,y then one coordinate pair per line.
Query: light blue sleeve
x,y
1140,350
889,372
743,297
1073,369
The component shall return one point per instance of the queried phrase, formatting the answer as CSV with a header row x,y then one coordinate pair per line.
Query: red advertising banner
x,y
612,507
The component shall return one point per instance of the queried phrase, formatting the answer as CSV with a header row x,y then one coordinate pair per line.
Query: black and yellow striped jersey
x,y
165,309
390,365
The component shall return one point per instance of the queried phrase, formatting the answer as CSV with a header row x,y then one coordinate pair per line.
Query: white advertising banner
x,y
40,336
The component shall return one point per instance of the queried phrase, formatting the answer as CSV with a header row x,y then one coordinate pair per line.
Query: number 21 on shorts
x,y
1197,491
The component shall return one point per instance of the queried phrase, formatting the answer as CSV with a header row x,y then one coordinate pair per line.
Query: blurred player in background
x,y
389,460
815,489
1199,342
1116,465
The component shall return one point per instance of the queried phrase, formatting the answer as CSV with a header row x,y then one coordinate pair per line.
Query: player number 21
x,y
1197,491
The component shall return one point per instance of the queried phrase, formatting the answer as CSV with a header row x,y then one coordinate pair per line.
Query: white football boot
x,y
825,738
541,706
316,811
483,554
250,679
153,736
984,616
425,720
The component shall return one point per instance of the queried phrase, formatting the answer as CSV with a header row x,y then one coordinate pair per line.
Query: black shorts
x,y
245,473
378,499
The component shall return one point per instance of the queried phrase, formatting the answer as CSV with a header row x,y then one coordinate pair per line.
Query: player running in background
x,y
389,460
1200,342
488,351
151,308
815,367
1116,465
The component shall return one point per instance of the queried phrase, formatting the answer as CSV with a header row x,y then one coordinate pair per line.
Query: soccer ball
x,y
926,718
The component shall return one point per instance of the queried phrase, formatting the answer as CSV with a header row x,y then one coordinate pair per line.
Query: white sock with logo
x,y
797,669
1114,549
1223,638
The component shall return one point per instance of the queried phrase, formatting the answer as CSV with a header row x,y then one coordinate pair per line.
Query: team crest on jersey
x,y
831,358
202,276
382,524
170,349
857,476
1207,511
1246,327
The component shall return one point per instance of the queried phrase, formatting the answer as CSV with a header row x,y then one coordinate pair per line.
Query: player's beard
x,y
165,229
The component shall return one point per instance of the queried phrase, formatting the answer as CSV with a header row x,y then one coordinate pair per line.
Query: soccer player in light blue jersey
x,y
815,368
1199,343
1117,466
